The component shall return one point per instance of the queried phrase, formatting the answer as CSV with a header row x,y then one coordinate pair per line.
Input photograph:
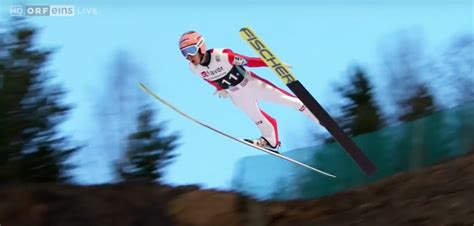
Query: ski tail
x,y
331,126
151,93
284,73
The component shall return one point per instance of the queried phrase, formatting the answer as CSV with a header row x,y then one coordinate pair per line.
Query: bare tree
x,y
405,67
405,71
119,106
455,70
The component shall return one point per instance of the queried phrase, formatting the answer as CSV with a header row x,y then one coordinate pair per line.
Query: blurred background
x,y
396,75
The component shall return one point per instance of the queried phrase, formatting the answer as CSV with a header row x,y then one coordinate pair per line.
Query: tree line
x,y
33,148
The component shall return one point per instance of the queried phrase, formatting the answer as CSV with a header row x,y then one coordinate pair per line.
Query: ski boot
x,y
263,143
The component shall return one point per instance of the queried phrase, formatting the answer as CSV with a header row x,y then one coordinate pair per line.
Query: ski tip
x,y
245,28
142,86
325,174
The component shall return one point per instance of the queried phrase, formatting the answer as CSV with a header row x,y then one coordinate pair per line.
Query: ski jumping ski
x,y
151,93
308,100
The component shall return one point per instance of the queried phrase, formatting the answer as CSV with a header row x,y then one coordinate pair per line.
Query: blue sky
x,y
321,39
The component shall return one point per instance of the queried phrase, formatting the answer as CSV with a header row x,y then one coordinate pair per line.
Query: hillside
x,y
441,195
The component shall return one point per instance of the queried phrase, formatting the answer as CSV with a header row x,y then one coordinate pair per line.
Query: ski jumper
x,y
225,70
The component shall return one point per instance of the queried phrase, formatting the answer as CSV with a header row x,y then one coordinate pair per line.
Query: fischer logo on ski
x,y
267,55
308,100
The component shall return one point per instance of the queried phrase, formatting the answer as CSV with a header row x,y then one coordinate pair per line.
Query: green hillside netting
x,y
404,147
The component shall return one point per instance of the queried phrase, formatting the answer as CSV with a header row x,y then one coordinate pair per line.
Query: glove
x,y
221,93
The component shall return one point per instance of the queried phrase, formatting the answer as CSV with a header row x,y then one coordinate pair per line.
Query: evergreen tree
x,y
420,104
149,151
360,113
31,146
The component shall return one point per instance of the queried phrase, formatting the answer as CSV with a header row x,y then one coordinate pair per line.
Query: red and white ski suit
x,y
224,69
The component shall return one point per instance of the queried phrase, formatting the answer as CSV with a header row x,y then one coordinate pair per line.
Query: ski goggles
x,y
192,49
